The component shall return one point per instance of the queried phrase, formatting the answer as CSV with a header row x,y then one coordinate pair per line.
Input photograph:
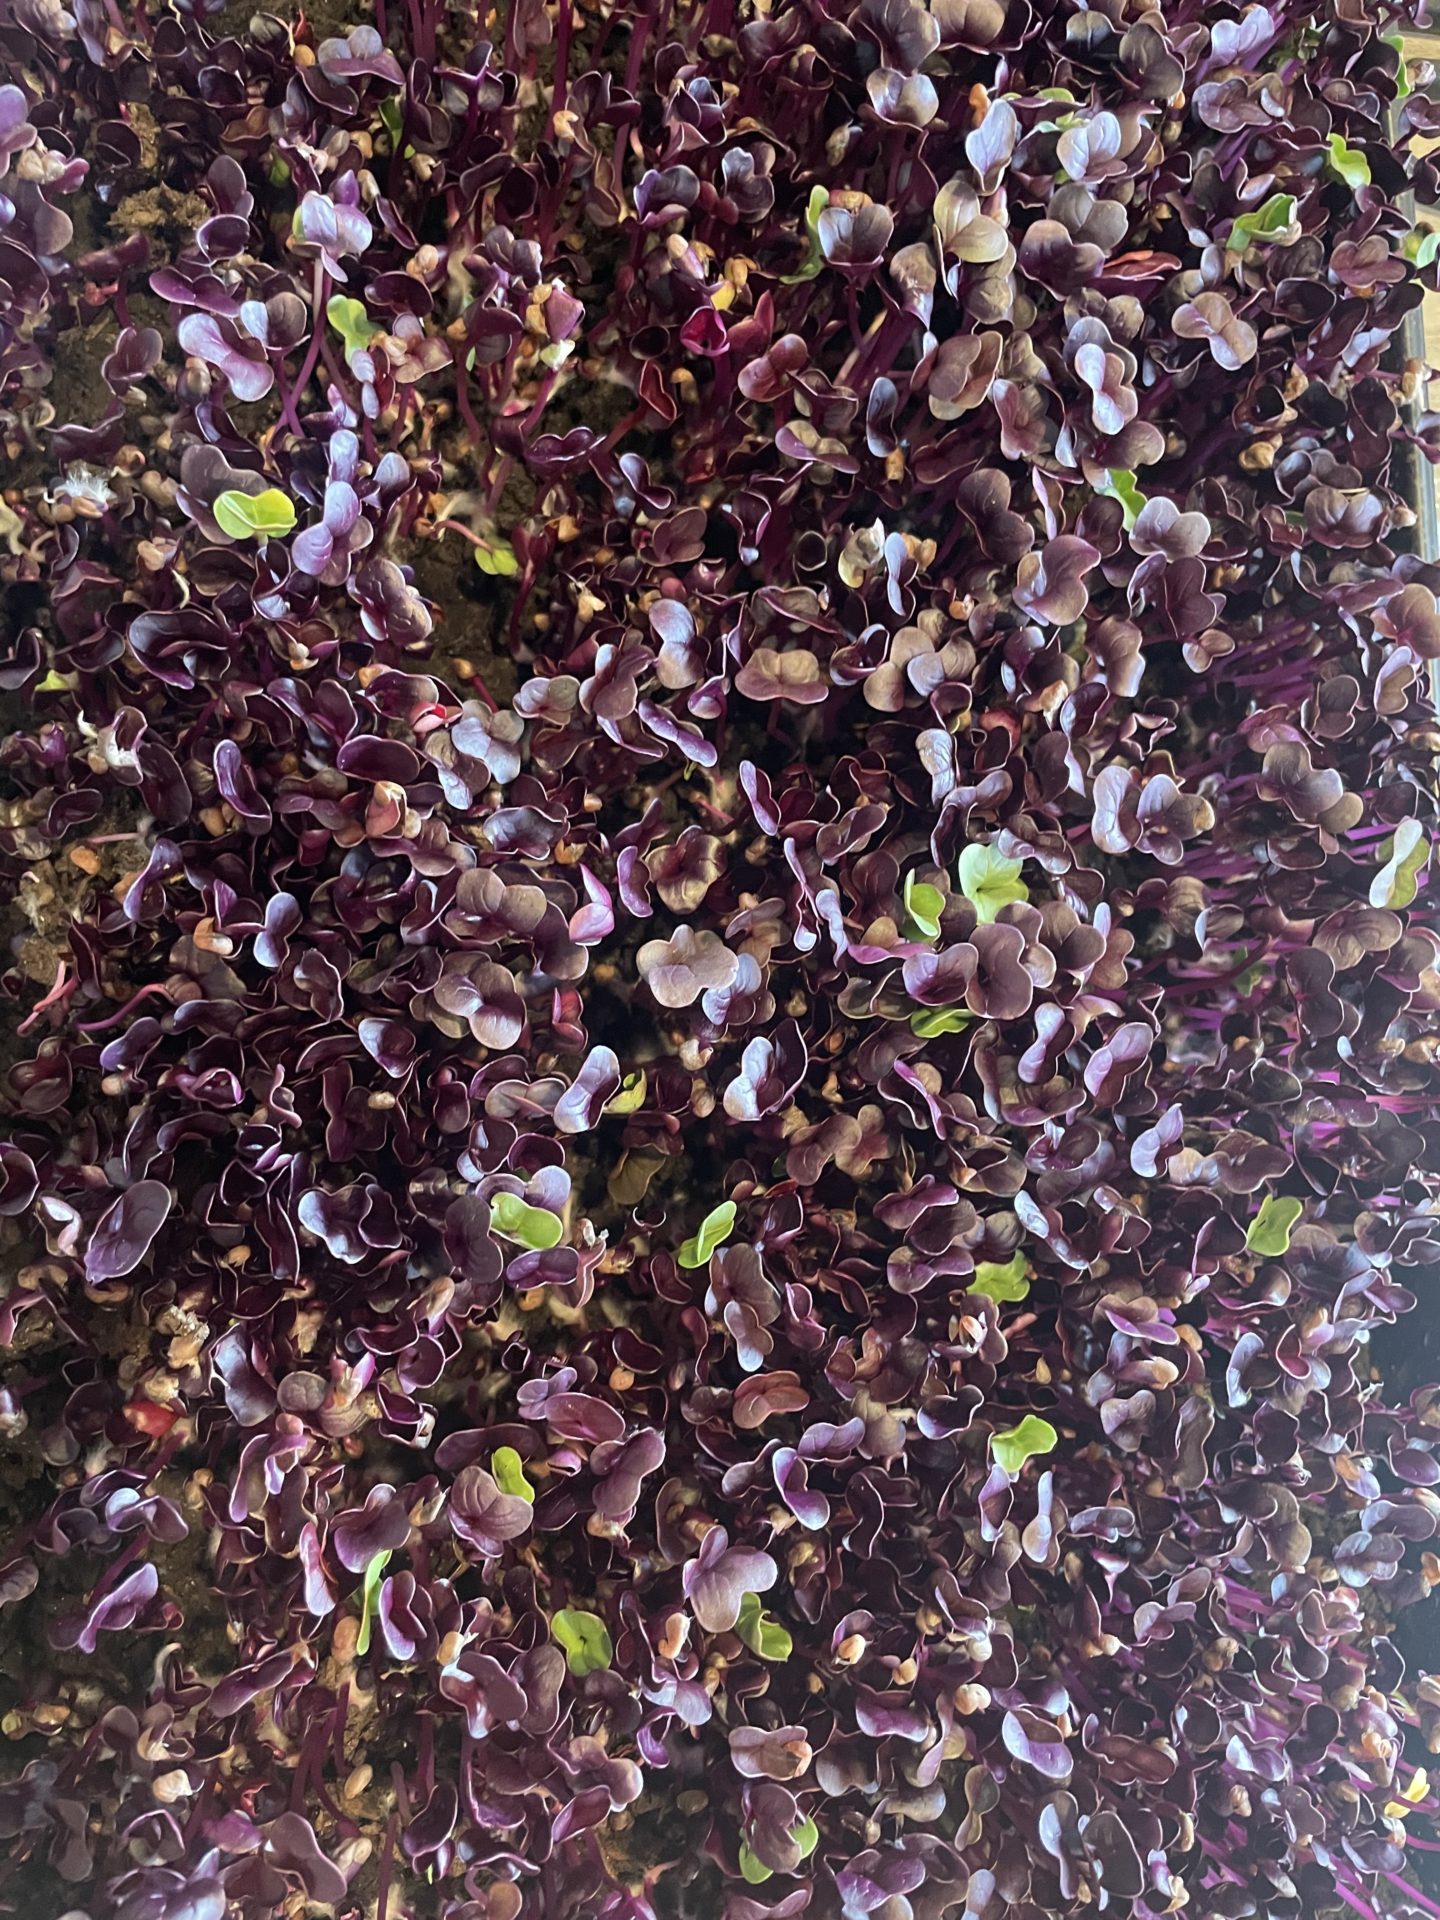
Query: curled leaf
x,y
1272,224
369,1593
760,1632
713,1231
924,904
814,254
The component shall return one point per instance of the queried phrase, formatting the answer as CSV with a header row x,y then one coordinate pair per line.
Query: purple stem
x,y
332,366
310,1751
563,25
117,1567
466,409
317,341
387,1866
337,1728
639,40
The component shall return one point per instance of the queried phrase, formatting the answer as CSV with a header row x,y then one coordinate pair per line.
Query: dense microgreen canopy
x,y
716,797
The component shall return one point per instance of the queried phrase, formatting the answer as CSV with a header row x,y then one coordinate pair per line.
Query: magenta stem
x,y
59,992
1413,1893
1352,1900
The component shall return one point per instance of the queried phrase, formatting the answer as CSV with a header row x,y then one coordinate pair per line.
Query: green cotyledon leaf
x,y
350,320
1406,858
1013,1446
497,557
533,1227
508,1473
814,258
253,516
930,1023
1269,1232
1002,1281
760,1633
1268,225
990,880
713,1231
1119,485
1347,163
584,1639
924,905
369,1595
751,1868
